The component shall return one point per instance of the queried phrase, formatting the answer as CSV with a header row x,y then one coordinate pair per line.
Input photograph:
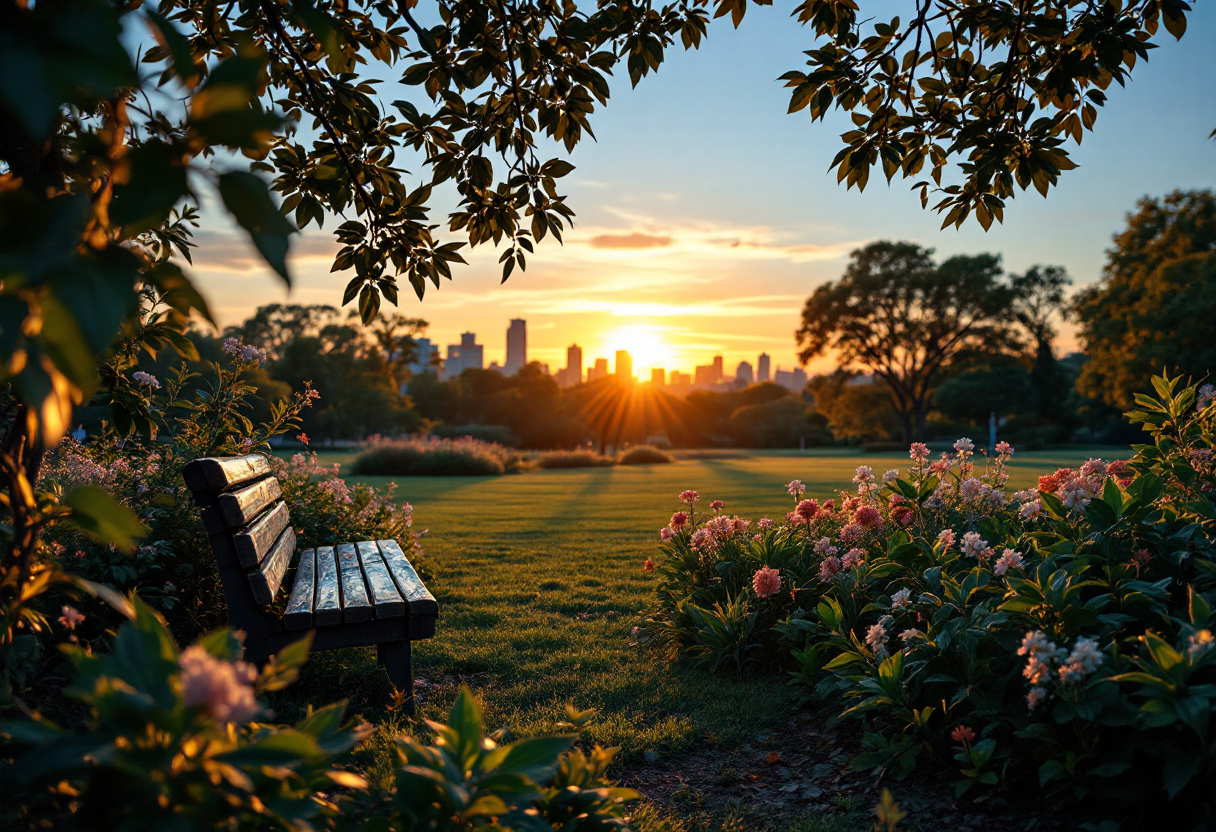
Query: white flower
x,y
146,379
1009,560
864,474
1082,661
946,538
964,445
900,599
890,475
876,639
909,634
222,689
973,544
795,487
1031,510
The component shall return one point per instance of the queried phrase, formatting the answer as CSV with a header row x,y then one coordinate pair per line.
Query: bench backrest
x,y
242,505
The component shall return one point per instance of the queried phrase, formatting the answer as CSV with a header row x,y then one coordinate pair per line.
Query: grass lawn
x,y
539,582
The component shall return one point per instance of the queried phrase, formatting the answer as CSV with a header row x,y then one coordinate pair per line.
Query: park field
x,y
539,581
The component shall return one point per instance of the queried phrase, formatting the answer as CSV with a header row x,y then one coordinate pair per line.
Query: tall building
x,y
658,377
598,370
678,379
744,373
762,367
719,373
574,365
467,355
517,346
426,356
793,380
624,366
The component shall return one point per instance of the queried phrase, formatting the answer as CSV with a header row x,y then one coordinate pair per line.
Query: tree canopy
x,y
1154,306
897,314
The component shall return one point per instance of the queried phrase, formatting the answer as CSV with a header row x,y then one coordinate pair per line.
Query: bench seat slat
x,y
265,580
298,615
242,506
419,599
355,605
327,610
387,602
255,541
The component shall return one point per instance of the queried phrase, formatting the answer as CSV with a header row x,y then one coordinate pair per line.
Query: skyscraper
x,y
574,363
517,346
599,370
466,355
624,366
744,373
658,377
719,373
762,368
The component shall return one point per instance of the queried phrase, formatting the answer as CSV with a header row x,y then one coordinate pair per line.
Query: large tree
x,y
898,315
1155,307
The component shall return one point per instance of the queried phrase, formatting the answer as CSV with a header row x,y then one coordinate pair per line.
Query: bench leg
x,y
394,656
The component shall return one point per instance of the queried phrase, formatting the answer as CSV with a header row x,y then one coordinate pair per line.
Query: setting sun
x,y
645,343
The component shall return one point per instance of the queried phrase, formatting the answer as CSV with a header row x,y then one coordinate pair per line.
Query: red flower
x,y
303,437
962,734
717,505
648,565
868,517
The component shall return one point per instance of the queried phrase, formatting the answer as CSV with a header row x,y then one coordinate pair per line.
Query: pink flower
x,y
828,505
806,511
664,533
868,517
946,538
679,520
852,533
146,379
71,617
902,515
830,568
1009,560
764,523
795,487
717,505
766,582
648,565
919,451
221,689
1004,449
973,544
962,734
852,558
964,445
689,497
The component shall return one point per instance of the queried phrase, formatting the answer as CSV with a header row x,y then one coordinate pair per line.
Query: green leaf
x,y
104,518
247,198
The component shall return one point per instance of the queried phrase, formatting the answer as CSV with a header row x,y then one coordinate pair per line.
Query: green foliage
x,y
644,455
997,89
1153,308
466,780
582,458
171,743
1063,632
430,456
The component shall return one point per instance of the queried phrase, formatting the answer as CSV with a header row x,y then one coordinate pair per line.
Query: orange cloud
x,y
632,240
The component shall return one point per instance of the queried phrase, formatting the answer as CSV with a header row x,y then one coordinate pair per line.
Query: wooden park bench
x,y
348,594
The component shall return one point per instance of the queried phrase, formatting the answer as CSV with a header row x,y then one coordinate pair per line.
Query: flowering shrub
x,y
1066,628
174,568
580,458
645,455
430,456
173,741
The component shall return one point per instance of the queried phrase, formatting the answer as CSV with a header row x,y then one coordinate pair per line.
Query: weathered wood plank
x,y
419,599
386,601
253,542
222,473
265,580
355,605
327,610
242,506
298,615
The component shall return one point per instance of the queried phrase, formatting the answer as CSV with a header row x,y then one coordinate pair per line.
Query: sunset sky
x,y
706,214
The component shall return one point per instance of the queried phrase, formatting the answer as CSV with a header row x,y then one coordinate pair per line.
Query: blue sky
x,y
741,218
